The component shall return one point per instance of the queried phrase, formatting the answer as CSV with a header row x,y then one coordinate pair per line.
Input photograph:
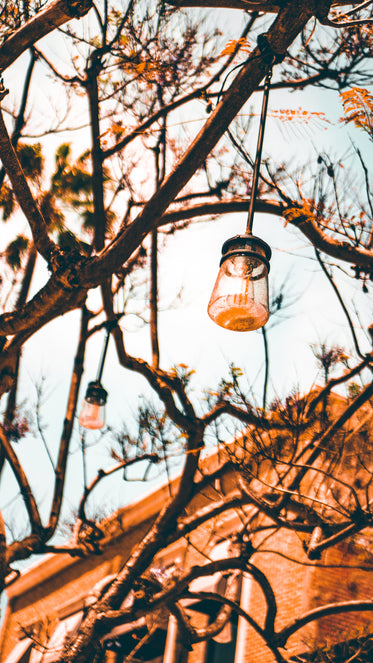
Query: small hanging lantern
x,y
92,415
239,300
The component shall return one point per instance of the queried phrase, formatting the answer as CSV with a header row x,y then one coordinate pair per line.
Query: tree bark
x,y
48,19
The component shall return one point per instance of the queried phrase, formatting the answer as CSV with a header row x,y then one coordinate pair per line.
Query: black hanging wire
x,y
258,157
270,58
103,355
109,326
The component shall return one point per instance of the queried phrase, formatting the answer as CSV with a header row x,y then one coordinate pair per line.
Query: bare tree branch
x,y
38,225
24,486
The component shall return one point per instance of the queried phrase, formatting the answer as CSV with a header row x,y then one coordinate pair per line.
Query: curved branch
x,y
235,607
177,591
317,613
301,217
228,603
324,20
221,207
295,214
230,564
159,380
248,417
24,486
153,458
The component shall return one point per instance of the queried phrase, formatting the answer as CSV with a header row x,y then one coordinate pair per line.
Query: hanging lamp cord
x,y
270,58
109,327
258,157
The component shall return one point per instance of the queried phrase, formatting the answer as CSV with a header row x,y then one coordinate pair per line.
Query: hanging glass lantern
x,y
92,415
239,300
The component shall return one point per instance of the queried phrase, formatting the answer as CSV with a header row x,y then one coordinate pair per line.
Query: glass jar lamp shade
x,y
92,415
239,300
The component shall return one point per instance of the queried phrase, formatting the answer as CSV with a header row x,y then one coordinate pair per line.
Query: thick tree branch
x,y
54,299
248,5
55,14
294,213
303,219
85,643
102,474
91,86
363,520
